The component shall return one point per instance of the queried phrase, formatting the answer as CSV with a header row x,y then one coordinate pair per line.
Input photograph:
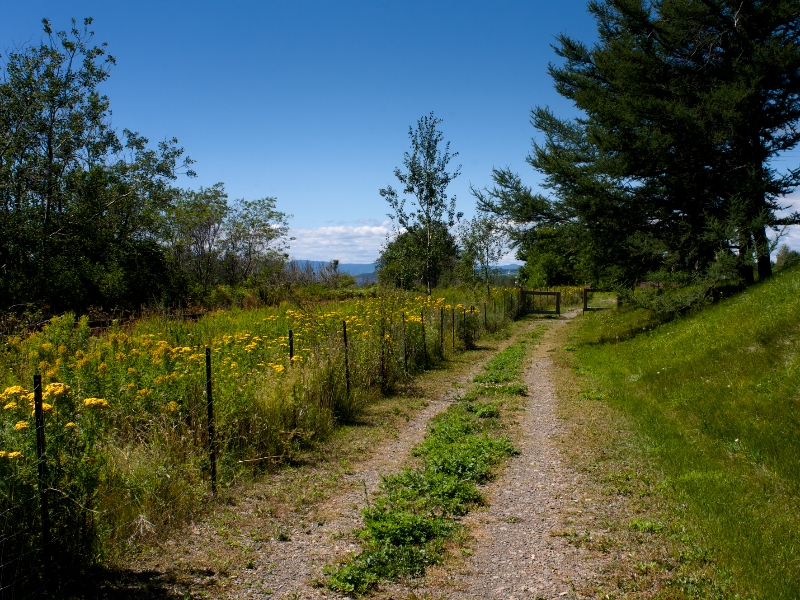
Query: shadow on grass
x,y
119,584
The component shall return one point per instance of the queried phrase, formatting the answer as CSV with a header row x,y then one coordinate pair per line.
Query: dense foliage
x,y
126,412
685,108
93,218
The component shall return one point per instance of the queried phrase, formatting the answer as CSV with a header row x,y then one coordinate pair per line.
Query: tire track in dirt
x,y
288,565
520,550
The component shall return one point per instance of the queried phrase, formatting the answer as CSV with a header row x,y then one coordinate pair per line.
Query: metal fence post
x,y
424,345
441,329
212,444
383,353
405,345
454,328
346,360
41,456
291,346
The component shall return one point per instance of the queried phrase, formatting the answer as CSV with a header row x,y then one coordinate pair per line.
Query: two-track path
x,y
296,564
519,551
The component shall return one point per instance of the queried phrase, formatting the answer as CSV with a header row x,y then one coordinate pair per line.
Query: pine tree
x,y
686,105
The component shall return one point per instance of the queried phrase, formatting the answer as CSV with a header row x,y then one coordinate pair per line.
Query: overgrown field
x,y
713,401
127,442
408,525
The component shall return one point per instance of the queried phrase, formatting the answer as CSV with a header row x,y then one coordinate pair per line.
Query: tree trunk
x,y
763,263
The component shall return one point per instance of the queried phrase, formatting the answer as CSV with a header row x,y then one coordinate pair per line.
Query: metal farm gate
x,y
528,302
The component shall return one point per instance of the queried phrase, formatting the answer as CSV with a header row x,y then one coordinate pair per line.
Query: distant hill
x,y
351,268
506,268
369,268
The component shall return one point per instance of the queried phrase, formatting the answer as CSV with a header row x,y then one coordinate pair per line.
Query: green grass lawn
x,y
713,400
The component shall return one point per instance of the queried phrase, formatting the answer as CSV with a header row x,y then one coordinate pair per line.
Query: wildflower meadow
x,y
125,412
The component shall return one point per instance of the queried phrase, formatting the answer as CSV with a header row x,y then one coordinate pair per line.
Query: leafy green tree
x,y
195,233
686,106
255,238
786,257
78,206
402,262
426,178
484,242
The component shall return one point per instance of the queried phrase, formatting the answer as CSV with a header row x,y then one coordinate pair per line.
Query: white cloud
x,y
347,243
792,234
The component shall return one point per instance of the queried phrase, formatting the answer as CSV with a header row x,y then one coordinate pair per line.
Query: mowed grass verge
x,y
712,407
407,526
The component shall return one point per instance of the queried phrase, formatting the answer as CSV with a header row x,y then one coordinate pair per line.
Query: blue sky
x,y
310,102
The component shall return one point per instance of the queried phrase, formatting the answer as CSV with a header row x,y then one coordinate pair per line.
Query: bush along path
x,y
412,522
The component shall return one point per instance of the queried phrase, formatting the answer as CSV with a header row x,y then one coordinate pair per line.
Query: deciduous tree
x,y
426,178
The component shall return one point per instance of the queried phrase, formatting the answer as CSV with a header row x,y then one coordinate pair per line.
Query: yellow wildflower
x,y
47,346
99,402
4,454
21,425
132,371
11,405
172,406
70,425
14,390
62,349
53,390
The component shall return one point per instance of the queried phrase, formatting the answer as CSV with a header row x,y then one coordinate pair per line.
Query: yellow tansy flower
x,y
99,402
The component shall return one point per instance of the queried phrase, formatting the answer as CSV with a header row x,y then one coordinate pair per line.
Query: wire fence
x,y
119,437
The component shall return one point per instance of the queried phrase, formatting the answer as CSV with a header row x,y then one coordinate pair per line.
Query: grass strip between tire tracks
x,y
407,526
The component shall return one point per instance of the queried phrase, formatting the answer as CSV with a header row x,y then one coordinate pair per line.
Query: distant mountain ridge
x,y
369,268
351,268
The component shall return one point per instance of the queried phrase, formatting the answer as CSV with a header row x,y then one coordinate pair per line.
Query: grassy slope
x,y
714,402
